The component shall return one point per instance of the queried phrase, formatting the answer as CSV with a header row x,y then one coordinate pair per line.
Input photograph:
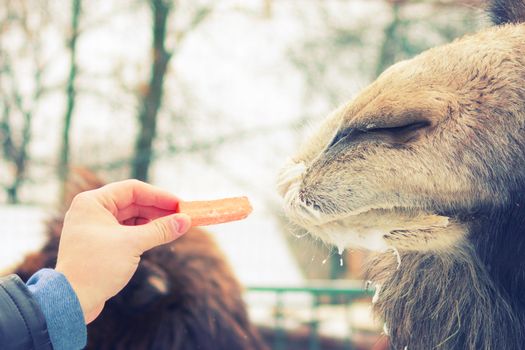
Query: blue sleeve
x,y
61,309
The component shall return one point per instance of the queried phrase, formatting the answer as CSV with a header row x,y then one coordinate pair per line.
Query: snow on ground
x,y
21,232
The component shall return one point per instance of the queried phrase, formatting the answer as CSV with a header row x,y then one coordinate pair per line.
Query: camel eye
x,y
340,136
402,129
394,134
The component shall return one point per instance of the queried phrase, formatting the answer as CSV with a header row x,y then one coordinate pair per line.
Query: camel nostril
x,y
307,201
302,196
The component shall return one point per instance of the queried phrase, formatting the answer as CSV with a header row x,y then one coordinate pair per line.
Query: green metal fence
x,y
322,293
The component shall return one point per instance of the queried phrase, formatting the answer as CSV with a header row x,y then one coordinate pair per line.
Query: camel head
x,y
431,140
429,160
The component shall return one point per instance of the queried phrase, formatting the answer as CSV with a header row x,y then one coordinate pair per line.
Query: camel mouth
x,y
398,229
377,227
381,228
304,211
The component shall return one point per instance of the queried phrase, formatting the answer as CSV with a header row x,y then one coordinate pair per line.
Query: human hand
x,y
106,231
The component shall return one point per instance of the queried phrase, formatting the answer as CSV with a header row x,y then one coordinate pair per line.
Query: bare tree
x,y
18,108
151,99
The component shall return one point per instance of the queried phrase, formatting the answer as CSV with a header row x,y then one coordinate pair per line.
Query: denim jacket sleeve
x,y
61,308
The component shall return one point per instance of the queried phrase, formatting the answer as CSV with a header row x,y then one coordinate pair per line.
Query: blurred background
x,y
206,99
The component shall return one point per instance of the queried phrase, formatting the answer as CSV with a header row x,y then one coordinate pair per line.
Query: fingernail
x,y
181,224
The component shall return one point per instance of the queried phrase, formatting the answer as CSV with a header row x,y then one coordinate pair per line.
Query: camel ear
x,y
149,285
507,11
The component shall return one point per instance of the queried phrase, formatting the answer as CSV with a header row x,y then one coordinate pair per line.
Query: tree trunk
x,y
71,93
20,159
152,98
17,154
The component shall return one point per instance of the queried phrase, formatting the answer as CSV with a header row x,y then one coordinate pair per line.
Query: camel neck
x,y
470,297
498,237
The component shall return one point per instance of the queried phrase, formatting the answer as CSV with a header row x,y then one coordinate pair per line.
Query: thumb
x,y
162,230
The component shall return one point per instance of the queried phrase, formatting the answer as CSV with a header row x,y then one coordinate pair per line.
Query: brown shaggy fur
x,y
435,301
429,162
183,296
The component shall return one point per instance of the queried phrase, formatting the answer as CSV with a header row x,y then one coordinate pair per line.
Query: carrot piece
x,y
217,211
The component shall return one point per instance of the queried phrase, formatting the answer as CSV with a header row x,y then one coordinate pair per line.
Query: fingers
x,y
139,211
147,209
161,231
119,195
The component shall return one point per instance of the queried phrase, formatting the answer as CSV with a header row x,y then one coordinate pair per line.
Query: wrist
x,y
89,309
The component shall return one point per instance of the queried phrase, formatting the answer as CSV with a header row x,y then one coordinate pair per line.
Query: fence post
x,y
279,341
314,325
